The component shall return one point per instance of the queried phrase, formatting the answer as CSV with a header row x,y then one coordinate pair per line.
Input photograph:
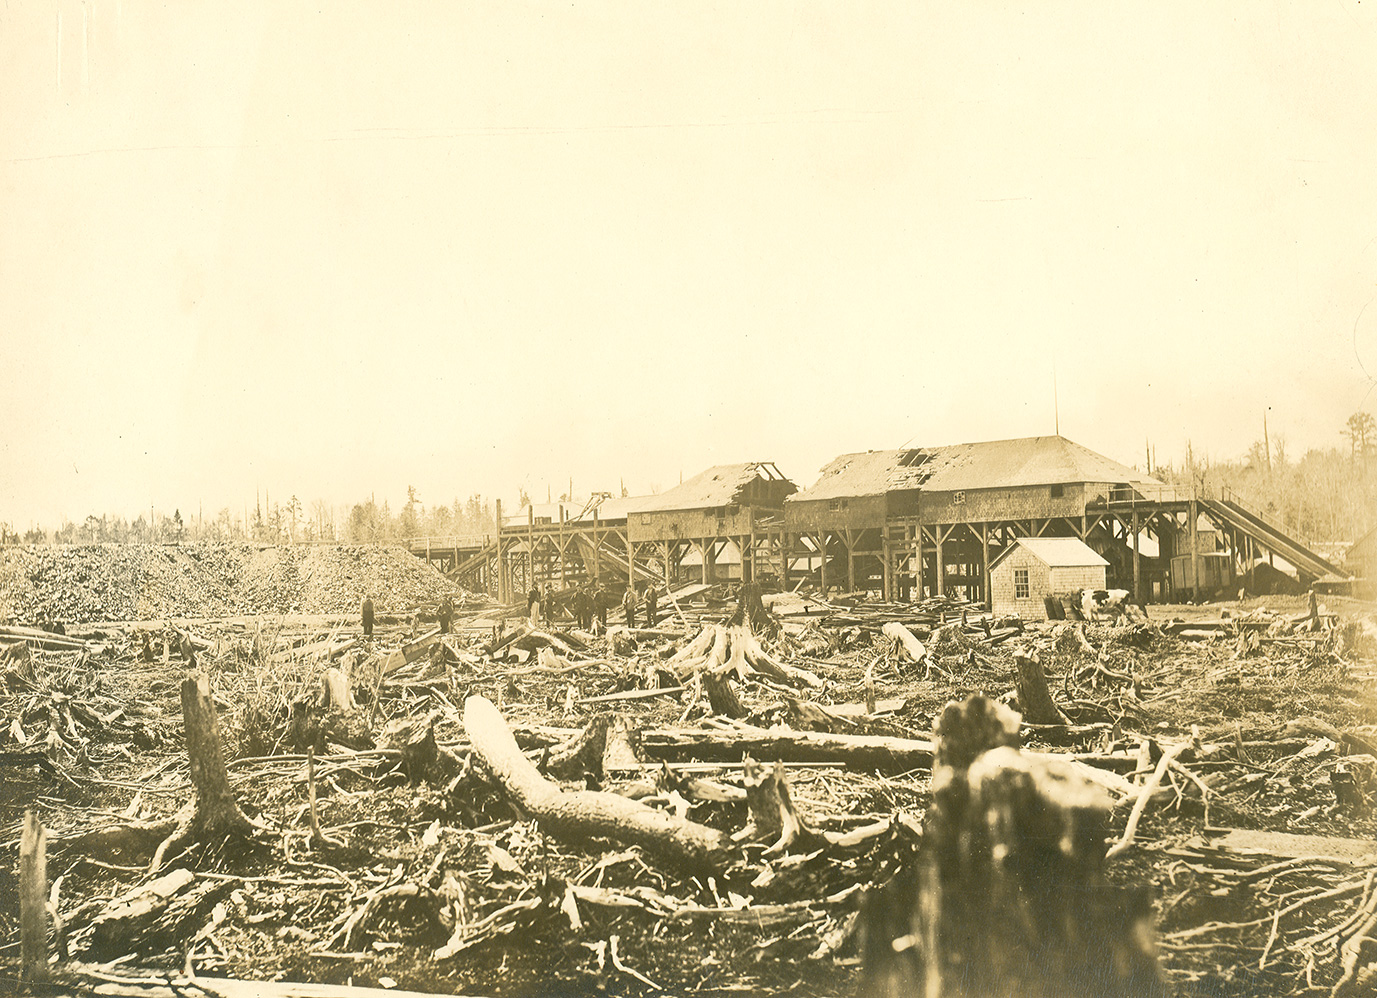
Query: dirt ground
x,y
423,875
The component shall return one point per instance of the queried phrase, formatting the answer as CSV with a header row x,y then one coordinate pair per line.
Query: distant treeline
x,y
1327,496
367,522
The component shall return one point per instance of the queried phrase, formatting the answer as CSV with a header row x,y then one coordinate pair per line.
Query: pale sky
x,y
476,246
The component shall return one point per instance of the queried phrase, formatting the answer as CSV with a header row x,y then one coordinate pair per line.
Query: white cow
x,y
1110,604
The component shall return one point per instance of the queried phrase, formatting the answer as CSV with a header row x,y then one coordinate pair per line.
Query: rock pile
x,y
41,584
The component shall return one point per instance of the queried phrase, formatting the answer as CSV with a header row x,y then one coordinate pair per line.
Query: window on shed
x,y
834,504
645,517
1058,491
958,498
1021,583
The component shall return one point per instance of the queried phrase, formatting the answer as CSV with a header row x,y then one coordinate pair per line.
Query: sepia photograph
x,y
525,500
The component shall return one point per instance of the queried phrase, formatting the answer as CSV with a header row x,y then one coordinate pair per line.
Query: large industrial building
x,y
904,523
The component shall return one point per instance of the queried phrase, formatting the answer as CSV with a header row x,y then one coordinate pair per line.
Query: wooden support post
x,y
530,546
563,584
597,549
941,565
1193,512
33,900
888,566
502,595
822,554
630,560
850,561
985,596
783,560
748,556
1137,562
709,560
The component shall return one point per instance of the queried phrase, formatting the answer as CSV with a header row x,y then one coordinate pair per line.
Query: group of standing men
x,y
588,601
652,597
594,601
368,614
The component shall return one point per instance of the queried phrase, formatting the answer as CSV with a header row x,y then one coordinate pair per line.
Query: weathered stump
x,y
1034,698
1006,895
33,898
214,813
722,696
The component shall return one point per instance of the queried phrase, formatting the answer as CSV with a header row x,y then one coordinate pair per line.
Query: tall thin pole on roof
x,y
1056,412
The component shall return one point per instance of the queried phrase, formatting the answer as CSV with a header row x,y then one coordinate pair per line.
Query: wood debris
x,y
507,806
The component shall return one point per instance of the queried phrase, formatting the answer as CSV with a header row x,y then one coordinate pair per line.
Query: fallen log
x,y
42,639
153,916
586,813
411,651
98,981
862,751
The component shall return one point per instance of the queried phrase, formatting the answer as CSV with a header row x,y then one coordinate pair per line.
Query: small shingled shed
x,y
1033,568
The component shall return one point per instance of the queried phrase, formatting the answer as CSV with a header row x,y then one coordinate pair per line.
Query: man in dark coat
x,y
583,607
368,616
651,598
601,601
629,605
446,613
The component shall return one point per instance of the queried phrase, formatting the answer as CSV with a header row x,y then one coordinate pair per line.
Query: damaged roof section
x,y
986,465
720,485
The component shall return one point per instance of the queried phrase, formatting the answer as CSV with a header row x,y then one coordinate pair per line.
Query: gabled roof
x,y
986,465
1055,552
720,485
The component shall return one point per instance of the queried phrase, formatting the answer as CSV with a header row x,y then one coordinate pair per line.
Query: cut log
x,y
414,650
861,751
586,813
42,639
1007,895
908,642
1034,698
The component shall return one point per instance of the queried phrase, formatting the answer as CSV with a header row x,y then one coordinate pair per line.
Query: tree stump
x,y
722,696
1006,894
214,812
1034,697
